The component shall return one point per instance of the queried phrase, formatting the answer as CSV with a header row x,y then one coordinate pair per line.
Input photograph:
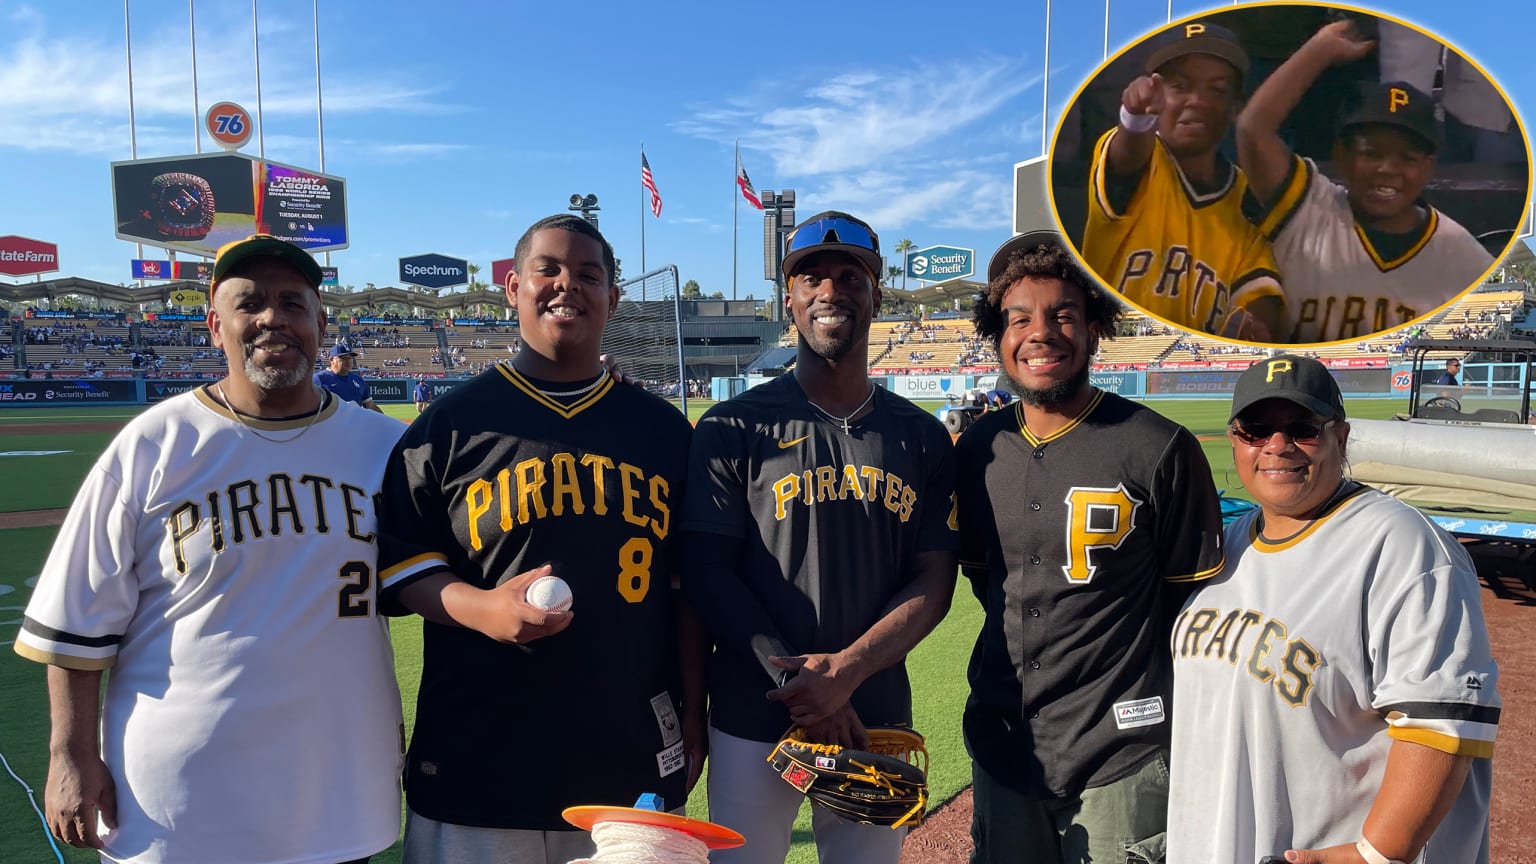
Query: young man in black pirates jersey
x,y
1079,511
819,551
542,465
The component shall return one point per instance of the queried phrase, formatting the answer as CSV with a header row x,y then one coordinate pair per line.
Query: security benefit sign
x,y
434,271
941,263
198,203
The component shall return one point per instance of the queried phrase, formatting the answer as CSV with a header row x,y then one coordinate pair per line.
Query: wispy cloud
x,y
71,92
900,146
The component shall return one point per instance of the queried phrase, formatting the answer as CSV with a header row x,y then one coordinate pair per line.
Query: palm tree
x,y
903,246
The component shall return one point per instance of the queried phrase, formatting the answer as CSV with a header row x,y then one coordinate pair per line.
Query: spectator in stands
x,y
341,380
1448,377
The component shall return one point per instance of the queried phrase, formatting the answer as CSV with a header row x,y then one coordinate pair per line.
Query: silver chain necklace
x,y
566,394
240,418
851,414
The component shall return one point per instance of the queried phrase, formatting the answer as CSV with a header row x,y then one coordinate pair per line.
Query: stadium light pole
x,y
778,218
586,205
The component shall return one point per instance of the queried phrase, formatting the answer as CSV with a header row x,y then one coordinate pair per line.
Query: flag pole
x,y
642,216
735,204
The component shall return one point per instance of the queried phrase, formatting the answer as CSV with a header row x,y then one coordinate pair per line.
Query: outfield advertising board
x,y
1123,383
198,203
159,391
927,386
1178,383
45,392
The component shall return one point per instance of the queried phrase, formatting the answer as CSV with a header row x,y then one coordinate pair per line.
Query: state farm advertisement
x,y
23,256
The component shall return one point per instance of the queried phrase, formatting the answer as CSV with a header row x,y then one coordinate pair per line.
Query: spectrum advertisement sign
x,y
434,271
198,203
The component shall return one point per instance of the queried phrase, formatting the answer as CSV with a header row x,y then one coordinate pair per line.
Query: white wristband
x,y
1371,856
1137,122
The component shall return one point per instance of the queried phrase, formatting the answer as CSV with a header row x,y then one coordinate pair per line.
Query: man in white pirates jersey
x,y
1337,701
1367,254
219,559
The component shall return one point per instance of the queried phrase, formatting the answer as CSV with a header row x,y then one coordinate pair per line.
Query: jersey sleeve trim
x,y
1443,742
1254,286
1457,728
411,569
1098,185
69,650
1202,575
1273,218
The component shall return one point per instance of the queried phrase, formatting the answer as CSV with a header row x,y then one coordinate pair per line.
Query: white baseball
x,y
549,593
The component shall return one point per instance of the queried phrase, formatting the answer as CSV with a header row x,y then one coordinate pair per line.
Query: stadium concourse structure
x,y
134,333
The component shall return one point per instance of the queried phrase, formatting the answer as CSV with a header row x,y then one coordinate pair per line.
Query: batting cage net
x,y
645,333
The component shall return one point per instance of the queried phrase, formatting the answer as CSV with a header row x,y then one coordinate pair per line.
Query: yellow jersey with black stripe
x,y
1185,256
1297,668
1340,281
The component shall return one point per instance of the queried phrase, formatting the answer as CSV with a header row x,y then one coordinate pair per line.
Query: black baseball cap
x,y
1399,104
1029,241
1198,37
834,231
1297,379
232,254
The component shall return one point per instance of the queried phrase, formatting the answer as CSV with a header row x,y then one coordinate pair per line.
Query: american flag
x,y
649,183
745,182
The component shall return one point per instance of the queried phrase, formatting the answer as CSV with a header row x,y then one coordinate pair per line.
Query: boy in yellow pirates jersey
x,y
1165,219
1367,254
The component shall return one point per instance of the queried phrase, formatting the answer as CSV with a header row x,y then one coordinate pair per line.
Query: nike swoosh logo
x,y
785,445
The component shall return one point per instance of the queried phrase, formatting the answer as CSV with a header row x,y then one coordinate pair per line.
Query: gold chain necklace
x,y
240,418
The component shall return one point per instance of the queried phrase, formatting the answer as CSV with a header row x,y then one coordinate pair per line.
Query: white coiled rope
x,y
629,843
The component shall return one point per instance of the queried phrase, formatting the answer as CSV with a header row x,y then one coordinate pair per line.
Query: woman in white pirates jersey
x,y
1334,688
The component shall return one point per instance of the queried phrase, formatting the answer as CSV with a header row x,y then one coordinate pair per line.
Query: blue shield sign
x,y
434,271
941,263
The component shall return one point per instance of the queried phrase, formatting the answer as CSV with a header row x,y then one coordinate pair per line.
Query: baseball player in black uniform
x,y
819,550
541,465
1080,514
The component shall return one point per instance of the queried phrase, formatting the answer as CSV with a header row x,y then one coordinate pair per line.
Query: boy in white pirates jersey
x,y
219,559
1367,254
1336,696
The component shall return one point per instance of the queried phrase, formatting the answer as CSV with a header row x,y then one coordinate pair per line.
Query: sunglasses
x,y
1254,433
838,229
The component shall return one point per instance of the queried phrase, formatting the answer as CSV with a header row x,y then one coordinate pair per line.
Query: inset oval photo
x,y
1290,174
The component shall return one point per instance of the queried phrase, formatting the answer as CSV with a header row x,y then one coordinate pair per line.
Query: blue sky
x,y
457,124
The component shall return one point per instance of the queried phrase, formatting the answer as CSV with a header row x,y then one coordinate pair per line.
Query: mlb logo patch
x,y
825,762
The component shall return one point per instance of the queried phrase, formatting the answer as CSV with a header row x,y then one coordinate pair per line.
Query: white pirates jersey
x,y
1338,285
251,711
1297,668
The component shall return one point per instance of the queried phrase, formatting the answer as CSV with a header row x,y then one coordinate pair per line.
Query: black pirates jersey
x,y
831,525
1069,542
495,479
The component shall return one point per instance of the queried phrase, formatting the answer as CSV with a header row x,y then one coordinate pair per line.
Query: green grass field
x,y
37,482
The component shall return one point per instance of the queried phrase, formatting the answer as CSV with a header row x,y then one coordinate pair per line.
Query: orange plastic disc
x,y
711,835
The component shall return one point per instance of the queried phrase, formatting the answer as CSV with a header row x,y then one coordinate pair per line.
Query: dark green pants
x,y
1120,822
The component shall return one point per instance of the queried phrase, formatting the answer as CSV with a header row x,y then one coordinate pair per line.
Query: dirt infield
x,y
1510,609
